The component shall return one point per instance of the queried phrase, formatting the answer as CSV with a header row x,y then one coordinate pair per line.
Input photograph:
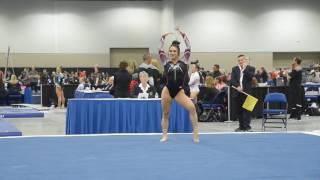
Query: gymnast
x,y
176,73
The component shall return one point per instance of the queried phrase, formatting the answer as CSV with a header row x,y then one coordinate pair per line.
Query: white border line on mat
x,y
316,133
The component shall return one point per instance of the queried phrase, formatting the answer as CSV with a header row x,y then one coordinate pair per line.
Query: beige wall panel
x,y
284,59
128,54
227,60
53,60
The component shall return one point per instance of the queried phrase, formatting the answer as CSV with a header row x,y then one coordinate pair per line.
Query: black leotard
x,y
176,77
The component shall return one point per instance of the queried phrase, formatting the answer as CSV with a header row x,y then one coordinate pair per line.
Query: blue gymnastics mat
x,y
9,112
275,156
7,129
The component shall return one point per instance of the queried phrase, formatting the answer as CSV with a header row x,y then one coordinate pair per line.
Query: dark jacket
x,y
296,91
264,76
121,84
248,74
207,94
151,91
14,89
3,92
296,78
215,74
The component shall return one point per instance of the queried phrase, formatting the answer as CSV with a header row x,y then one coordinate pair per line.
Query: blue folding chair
x,y
279,110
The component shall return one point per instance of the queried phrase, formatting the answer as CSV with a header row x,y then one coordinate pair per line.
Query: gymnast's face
x,y
173,53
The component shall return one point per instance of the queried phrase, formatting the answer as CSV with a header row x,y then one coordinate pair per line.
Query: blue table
x,y
90,116
92,94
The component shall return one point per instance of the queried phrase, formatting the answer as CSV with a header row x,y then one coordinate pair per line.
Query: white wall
x,y
30,26
72,28
252,26
46,26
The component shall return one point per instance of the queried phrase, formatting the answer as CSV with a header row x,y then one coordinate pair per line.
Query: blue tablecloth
x,y
28,95
95,94
89,116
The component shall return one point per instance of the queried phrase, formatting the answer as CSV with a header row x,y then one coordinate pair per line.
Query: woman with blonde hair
x,y
58,82
132,67
156,63
13,85
208,93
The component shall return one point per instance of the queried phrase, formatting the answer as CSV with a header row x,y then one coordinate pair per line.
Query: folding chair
x,y
215,111
279,104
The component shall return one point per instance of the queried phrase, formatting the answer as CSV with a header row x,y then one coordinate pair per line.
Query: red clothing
x,y
274,75
133,83
82,74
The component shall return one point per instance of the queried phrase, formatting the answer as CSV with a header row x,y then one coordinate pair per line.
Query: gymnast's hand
x,y
178,29
166,34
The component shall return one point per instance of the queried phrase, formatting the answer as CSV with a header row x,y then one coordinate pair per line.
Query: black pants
x,y
296,101
242,114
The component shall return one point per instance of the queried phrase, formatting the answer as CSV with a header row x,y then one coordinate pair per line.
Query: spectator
x,y
81,85
3,92
24,77
194,82
122,80
13,85
216,71
263,75
45,77
221,82
157,73
109,86
58,81
296,96
34,78
207,93
144,90
96,77
148,67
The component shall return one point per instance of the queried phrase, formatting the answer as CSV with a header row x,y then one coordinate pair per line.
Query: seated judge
x,y
144,90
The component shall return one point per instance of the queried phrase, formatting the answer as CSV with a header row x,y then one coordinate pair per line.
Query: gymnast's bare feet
x,y
196,136
164,137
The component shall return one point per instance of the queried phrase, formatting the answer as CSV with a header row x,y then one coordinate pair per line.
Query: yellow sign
x,y
250,103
